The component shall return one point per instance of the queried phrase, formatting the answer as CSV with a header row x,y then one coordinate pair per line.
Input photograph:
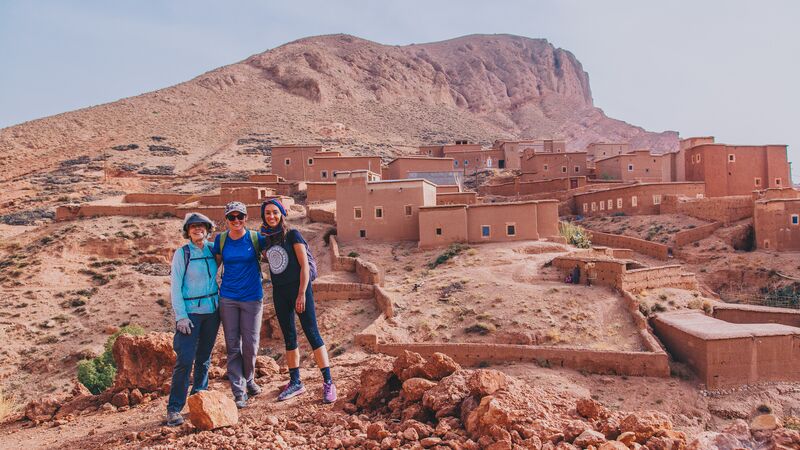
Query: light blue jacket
x,y
199,279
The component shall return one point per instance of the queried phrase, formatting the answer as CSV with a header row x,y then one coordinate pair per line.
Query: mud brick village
x,y
480,285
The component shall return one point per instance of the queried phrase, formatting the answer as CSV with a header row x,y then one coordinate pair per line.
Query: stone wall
x,y
593,361
320,192
321,215
717,209
695,234
756,314
657,277
342,291
156,198
72,212
653,249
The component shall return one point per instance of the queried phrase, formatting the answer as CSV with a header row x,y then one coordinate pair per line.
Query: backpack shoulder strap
x,y
222,238
186,256
256,246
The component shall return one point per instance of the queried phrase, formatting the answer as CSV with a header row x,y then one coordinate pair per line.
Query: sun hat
x,y
235,207
195,217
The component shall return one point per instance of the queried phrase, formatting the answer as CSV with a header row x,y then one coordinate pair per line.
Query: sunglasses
x,y
235,217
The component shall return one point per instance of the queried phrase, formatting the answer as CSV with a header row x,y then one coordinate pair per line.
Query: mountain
x,y
341,91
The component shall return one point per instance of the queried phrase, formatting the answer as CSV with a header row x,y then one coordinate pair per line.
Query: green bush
x,y
574,234
451,252
97,374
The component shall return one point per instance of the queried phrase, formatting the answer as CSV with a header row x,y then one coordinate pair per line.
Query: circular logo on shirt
x,y
278,259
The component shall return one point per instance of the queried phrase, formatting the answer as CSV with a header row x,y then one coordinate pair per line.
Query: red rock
x,y
136,397
266,367
439,366
408,365
415,411
589,437
430,442
77,404
120,399
209,410
574,429
467,406
645,424
499,445
376,384
423,430
765,422
710,440
43,409
143,362
414,388
215,372
376,431
665,443
627,438
787,438
445,398
79,389
389,442
612,445
486,382
590,409
410,434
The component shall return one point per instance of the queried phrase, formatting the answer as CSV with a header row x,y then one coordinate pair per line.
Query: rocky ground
x,y
658,228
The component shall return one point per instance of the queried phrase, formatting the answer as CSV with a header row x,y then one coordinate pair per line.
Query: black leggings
x,y
283,297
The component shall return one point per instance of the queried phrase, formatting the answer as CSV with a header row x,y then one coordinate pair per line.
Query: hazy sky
x,y
723,68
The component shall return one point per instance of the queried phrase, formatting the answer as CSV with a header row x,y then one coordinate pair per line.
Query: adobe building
x,y
514,150
547,166
467,157
777,224
487,222
379,210
400,168
734,169
601,150
639,165
637,199
728,354
289,161
324,168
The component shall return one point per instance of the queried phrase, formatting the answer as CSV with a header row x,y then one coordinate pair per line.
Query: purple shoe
x,y
328,392
291,390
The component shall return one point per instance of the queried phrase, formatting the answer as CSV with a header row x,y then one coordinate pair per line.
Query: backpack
x,y
253,239
312,264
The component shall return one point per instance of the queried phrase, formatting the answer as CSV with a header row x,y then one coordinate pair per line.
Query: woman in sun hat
x,y
195,300
241,294
291,272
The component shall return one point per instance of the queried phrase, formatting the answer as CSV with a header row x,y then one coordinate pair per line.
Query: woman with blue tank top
x,y
291,293
194,296
241,297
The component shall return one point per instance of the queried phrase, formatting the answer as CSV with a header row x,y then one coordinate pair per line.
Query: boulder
x,y
439,366
136,397
486,382
645,424
612,445
667,440
44,408
590,409
120,399
710,440
143,362
209,410
589,437
445,398
376,386
765,422
408,365
266,367
414,388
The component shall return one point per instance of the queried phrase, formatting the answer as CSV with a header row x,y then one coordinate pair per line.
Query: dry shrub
x,y
8,406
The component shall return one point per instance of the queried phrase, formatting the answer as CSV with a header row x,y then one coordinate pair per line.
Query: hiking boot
x,y
292,390
253,389
240,400
328,392
174,419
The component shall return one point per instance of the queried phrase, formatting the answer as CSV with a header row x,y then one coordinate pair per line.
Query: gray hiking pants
x,y
241,323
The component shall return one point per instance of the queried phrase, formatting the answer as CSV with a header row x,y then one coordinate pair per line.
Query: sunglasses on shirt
x,y
234,217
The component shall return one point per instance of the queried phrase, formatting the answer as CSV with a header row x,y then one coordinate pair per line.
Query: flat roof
x,y
709,329
628,186
481,205
421,157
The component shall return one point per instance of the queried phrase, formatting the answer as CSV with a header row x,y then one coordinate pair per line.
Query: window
x,y
777,181
577,169
438,231
630,167
545,168
647,170
795,219
657,199
602,206
357,212
594,206
766,243
610,204
362,233
455,163
324,174
310,161
408,210
563,169
466,162
511,229
379,212
585,207
758,182
698,158
287,161
486,230
731,157
619,203
634,201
